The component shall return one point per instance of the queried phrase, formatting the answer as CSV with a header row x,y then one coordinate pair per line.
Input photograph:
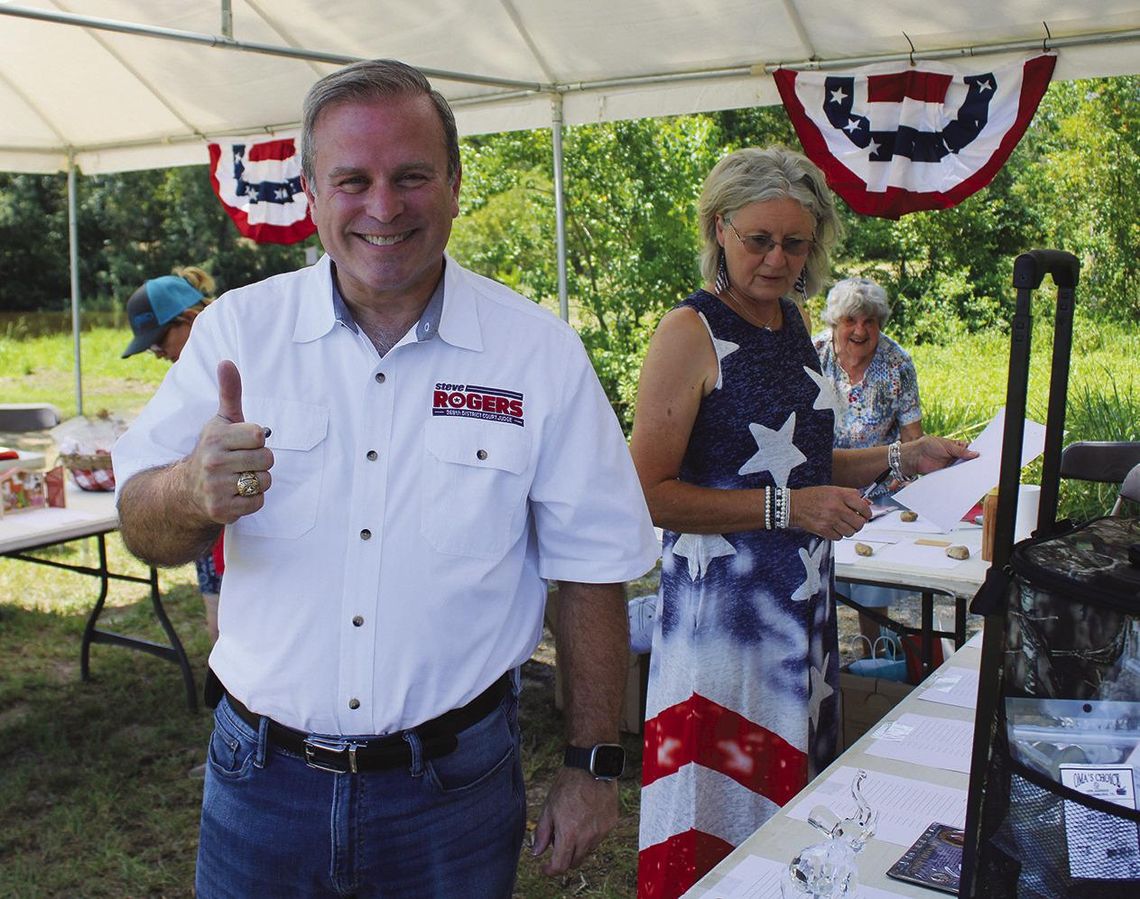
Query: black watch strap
x,y
605,761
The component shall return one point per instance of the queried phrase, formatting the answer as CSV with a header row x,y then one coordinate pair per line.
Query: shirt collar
x,y
451,312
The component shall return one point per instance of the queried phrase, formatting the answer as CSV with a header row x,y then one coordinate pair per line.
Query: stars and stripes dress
x,y
742,707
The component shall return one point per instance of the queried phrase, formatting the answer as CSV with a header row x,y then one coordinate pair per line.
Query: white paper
x,y
935,742
943,497
905,806
1101,847
952,686
759,878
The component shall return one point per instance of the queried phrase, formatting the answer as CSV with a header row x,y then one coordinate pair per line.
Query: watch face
x,y
608,760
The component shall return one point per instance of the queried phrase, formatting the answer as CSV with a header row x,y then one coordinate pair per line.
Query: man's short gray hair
x,y
755,175
855,297
373,79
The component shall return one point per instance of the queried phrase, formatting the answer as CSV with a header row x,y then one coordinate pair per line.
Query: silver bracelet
x,y
768,523
894,461
782,507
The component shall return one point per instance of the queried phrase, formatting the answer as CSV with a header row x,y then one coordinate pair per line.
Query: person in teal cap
x,y
161,313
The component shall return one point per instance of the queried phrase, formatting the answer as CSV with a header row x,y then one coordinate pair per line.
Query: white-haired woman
x,y
878,392
874,376
732,439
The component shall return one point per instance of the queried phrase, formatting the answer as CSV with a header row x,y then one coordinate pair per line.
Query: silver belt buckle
x,y
336,747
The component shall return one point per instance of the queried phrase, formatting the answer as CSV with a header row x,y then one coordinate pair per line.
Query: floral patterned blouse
x,y
882,403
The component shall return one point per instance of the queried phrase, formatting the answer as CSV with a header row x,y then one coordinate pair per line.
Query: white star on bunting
x,y
775,451
828,397
700,550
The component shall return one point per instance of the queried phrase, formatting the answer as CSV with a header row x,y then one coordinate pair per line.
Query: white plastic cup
x,y
1028,502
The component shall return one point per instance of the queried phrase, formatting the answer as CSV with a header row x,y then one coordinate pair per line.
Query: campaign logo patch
x,y
473,401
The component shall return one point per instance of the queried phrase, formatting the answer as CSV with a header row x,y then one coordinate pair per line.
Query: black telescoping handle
x,y
1028,271
1030,268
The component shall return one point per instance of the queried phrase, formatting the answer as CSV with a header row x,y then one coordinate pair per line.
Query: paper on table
x,y
905,806
923,740
945,496
759,878
952,686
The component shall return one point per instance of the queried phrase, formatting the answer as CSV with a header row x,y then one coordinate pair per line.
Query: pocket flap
x,y
293,425
464,442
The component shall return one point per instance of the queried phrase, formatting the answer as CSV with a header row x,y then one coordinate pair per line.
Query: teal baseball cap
x,y
154,306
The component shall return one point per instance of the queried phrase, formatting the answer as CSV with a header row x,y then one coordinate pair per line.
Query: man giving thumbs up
x,y
440,450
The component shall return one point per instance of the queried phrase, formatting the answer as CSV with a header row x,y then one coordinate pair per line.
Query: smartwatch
x,y
605,761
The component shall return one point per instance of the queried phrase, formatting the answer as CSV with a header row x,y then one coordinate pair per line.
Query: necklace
x,y
740,306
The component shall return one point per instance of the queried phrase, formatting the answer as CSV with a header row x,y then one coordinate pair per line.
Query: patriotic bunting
x,y
893,141
258,180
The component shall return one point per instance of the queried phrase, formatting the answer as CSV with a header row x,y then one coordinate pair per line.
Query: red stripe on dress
x,y
666,870
702,731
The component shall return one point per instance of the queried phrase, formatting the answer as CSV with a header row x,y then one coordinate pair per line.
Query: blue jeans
x,y
444,827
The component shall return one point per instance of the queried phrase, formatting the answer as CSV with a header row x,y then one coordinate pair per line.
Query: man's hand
x,y
829,512
579,812
227,446
931,453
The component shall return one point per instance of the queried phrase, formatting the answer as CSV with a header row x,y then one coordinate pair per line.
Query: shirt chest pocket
x,y
475,486
297,438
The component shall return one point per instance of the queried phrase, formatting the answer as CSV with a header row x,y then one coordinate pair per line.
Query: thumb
x,y
229,391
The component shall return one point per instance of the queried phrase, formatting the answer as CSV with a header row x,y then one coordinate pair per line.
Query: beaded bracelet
x,y
894,461
777,507
783,507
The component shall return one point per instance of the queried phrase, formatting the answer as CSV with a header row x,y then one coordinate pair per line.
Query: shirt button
x,y
354,703
357,620
372,455
380,377
365,534
481,455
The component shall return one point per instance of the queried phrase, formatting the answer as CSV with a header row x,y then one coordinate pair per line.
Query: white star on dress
x,y
700,550
820,689
873,148
723,349
811,559
986,85
828,396
852,126
775,451
838,96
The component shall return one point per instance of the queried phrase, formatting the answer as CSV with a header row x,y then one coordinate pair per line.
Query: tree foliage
x,y
631,233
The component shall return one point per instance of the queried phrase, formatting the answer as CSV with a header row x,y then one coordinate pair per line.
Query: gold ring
x,y
248,484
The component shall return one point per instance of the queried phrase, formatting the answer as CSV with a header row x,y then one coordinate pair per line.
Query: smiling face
x,y
856,338
764,278
381,198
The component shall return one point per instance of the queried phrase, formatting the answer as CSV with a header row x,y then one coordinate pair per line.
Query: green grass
x,y
95,799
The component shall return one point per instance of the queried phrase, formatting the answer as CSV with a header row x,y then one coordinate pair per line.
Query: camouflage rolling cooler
x,y
1053,809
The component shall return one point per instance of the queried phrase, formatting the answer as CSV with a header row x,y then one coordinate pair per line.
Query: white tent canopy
x,y
86,82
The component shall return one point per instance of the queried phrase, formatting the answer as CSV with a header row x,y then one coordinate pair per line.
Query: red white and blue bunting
x,y
258,180
895,140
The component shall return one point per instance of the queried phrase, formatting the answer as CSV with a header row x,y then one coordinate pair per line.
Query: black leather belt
x,y
438,737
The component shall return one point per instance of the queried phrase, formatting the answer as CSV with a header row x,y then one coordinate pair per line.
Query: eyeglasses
x,y
763,244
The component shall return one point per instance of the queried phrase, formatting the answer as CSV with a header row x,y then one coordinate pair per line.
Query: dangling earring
x,y
801,285
721,284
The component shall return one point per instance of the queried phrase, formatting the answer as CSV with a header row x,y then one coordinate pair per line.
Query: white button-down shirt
x,y
419,499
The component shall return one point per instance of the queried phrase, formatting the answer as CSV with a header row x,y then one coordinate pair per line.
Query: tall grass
x,y
964,384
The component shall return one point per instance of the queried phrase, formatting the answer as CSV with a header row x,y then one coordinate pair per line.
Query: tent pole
x,y
73,263
559,206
